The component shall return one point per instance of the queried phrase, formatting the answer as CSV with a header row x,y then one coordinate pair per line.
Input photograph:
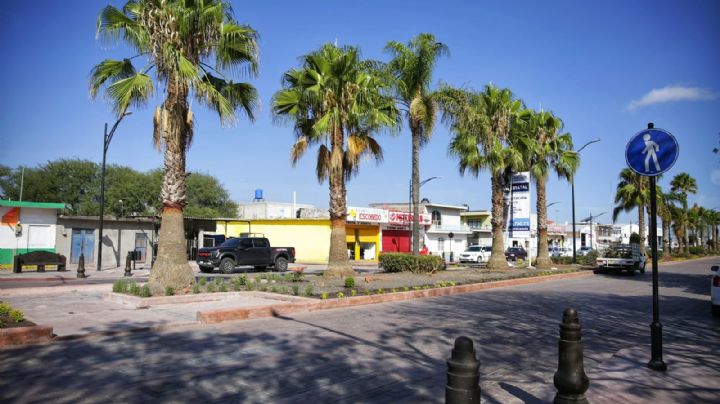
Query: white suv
x,y
715,290
476,253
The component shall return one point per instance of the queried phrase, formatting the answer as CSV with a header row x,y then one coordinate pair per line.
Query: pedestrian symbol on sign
x,y
649,150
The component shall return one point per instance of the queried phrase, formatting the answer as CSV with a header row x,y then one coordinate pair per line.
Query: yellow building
x,y
310,237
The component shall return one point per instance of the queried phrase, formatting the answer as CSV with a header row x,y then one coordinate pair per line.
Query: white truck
x,y
621,257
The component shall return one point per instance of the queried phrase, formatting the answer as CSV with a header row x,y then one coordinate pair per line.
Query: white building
x,y
447,235
27,227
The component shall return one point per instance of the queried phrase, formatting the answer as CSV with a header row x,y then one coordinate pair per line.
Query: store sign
x,y
367,215
519,220
404,218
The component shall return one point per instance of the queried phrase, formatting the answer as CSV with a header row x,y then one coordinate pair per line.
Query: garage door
x,y
396,241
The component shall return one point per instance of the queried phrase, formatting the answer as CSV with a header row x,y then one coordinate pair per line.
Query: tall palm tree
x,y
665,204
338,102
186,46
487,136
632,192
682,185
412,67
551,151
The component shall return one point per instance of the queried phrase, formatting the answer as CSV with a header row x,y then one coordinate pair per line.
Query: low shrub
x,y
296,290
169,291
353,292
696,250
561,260
324,295
196,289
5,309
340,295
145,291
349,282
398,262
203,281
590,258
309,290
17,315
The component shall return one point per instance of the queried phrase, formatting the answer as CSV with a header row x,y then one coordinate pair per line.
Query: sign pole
x,y
650,153
656,361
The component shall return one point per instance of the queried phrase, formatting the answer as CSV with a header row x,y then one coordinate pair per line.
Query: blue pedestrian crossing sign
x,y
651,152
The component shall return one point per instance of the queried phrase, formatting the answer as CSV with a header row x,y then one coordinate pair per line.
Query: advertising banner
x,y
404,218
367,215
519,212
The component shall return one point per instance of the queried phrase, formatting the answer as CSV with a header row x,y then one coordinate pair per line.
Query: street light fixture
x,y
590,219
572,186
551,204
415,223
107,138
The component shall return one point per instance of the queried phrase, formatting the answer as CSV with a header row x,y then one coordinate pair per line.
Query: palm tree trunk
x,y
497,257
338,262
543,257
416,191
171,268
641,225
666,238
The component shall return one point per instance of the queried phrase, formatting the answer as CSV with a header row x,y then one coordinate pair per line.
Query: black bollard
x,y
570,379
463,376
128,271
81,267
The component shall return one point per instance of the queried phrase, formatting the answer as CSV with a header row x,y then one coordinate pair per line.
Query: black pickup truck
x,y
255,251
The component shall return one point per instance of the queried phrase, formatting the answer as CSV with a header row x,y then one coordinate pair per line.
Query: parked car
x,y
556,251
715,290
583,251
476,253
255,251
515,253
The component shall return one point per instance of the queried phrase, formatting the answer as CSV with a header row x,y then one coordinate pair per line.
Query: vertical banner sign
x,y
519,206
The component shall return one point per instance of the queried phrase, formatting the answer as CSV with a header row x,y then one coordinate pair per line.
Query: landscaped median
x,y
308,305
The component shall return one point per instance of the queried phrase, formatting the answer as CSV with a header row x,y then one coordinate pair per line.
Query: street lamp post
x,y
106,143
415,223
592,233
572,186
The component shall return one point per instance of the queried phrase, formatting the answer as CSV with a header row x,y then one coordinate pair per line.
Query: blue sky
x,y
606,68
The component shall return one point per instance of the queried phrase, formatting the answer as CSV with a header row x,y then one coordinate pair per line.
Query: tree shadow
x,y
390,352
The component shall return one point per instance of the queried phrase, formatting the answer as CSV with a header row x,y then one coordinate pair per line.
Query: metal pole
x,y
106,143
102,199
22,182
656,361
410,209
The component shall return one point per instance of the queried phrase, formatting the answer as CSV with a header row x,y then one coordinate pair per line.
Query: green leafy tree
x,y
632,192
551,151
208,198
412,67
188,45
665,204
486,136
338,102
682,185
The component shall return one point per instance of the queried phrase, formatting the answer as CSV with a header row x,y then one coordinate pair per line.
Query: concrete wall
x,y
118,239
311,238
38,233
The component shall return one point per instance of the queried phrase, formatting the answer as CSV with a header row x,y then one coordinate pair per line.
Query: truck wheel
x,y
227,265
281,264
206,270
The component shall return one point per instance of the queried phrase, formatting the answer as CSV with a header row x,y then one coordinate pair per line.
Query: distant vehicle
x,y
476,253
515,253
623,257
556,251
715,290
255,251
583,251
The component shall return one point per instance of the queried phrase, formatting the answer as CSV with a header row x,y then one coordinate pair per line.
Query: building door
x,y
396,241
83,242
141,246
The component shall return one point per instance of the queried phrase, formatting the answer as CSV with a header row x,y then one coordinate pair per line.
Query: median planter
x,y
25,335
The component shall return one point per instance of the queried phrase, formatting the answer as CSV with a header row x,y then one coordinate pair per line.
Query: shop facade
x,y
26,227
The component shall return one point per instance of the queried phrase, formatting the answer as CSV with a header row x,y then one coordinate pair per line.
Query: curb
x,y
219,316
15,336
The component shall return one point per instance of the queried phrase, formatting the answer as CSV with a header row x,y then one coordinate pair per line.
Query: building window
x,y
436,218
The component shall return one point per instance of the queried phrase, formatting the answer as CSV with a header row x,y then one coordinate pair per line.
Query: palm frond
x,y
109,69
133,90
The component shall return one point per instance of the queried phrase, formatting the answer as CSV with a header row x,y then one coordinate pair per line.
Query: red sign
x,y
405,218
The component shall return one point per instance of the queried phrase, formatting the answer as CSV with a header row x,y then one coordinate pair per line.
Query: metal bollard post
x,y
463,375
570,379
81,266
128,270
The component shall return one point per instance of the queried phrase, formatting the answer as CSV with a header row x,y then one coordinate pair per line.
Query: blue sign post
x,y
650,153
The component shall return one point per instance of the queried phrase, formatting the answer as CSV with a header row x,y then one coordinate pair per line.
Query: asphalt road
x,y
392,352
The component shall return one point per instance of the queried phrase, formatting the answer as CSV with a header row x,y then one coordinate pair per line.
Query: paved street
x,y
396,352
